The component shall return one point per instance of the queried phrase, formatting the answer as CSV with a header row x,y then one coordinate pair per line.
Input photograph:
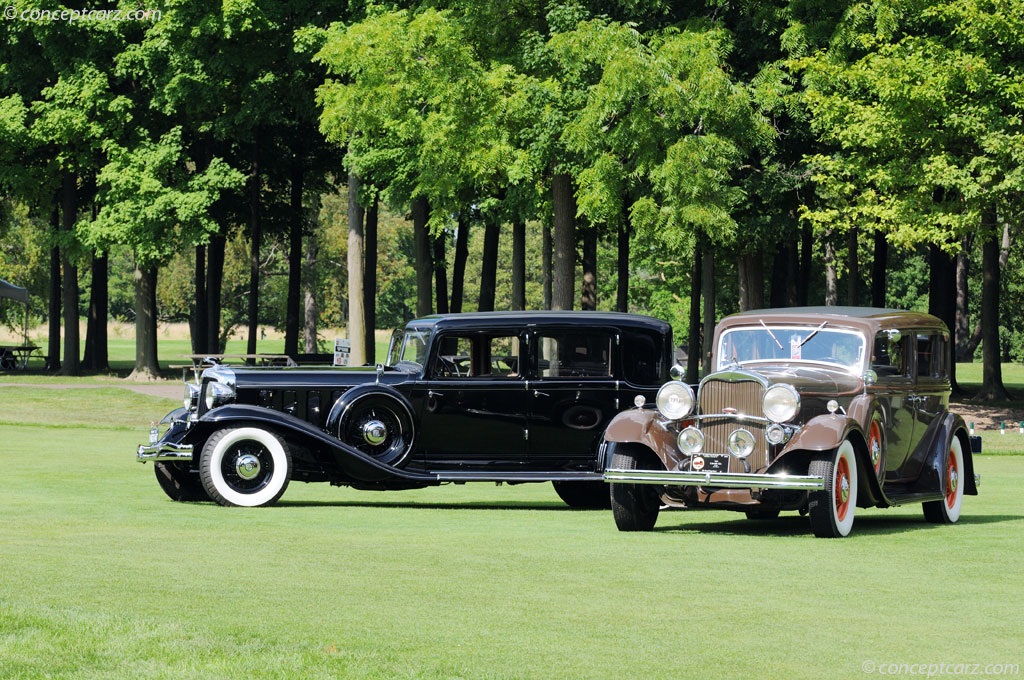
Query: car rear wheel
x,y
832,509
245,466
635,507
179,483
947,510
584,495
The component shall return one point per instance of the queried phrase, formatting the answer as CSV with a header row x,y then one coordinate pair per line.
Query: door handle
x,y
434,395
538,393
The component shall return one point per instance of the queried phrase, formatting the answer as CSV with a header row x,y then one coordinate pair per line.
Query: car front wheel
x,y
947,511
245,466
635,507
831,510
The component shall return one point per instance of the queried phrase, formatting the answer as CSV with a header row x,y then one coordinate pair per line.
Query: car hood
x,y
809,380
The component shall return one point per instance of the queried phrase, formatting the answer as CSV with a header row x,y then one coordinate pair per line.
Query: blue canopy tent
x,y
9,290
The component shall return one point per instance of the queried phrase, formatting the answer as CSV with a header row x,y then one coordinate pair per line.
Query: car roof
x,y
873,318
504,319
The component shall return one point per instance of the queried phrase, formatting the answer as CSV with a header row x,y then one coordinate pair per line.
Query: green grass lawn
x,y
101,576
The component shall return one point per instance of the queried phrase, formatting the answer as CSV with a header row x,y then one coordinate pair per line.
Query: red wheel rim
x,y
875,446
952,480
842,488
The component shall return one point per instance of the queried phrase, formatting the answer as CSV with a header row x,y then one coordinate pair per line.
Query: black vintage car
x,y
507,397
821,410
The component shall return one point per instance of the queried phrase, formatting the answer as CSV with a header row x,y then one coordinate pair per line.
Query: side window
x,y
931,356
453,357
642,361
888,357
477,356
563,355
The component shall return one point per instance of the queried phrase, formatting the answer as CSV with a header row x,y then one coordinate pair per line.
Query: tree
x,y
918,100
151,201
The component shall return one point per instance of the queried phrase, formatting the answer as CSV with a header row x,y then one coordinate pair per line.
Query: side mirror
x,y
894,335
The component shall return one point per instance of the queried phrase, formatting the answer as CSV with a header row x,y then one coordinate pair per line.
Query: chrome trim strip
x,y
164,451
730,480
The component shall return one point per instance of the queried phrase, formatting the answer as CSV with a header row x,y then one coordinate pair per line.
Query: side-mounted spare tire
x,y
377,422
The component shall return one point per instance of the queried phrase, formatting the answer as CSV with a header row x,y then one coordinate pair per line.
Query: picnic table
x,y
204,360
15,357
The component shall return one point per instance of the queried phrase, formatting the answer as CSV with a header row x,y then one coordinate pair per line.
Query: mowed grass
x,y
101,576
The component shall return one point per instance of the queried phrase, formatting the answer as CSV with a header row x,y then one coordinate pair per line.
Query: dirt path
x,y
170,389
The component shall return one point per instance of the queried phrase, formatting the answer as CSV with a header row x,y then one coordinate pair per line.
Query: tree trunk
x,y
879,269
214,277
54,316
547,245
803,279
439,256
622,266
147,366
852,268
992,388
459,264
69,210
421,248
588,291
963,312
489,264
707,285
356,290
96,358
831,279
693,344
199,319
370,279
518,264
782,285
256,236
563,285
750,268
309,291
295,220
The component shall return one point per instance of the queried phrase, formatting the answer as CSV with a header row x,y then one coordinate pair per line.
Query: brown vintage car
x,y
817,409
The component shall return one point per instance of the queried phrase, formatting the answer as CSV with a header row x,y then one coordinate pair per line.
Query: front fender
x,y
353,464
643,426
823,433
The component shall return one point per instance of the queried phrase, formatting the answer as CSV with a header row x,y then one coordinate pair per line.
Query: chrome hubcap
x,y
374,432
247,466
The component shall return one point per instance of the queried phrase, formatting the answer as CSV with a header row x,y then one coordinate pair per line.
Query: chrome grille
x,y
742,398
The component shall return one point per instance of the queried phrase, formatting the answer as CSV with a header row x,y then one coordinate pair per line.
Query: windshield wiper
x,y
772,334
813,333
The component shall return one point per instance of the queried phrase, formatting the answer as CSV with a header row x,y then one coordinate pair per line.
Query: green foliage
x,y
152,202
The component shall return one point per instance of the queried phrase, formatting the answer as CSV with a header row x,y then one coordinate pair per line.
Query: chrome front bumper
x,y
164,451
726,480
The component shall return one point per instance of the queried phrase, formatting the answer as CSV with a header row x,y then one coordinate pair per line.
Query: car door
x,y
474,404
894,392
573,395
931,396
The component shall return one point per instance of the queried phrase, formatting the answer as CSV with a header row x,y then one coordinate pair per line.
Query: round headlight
x,y
781,403
690,441
741,443
218,394
675,400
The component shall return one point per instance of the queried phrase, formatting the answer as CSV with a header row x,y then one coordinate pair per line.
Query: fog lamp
x,y
690,441
741,443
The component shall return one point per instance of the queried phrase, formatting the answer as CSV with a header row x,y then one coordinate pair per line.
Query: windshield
x,y
775,343
409,345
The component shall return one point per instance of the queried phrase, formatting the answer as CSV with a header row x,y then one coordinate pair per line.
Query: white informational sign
x,y
342,351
